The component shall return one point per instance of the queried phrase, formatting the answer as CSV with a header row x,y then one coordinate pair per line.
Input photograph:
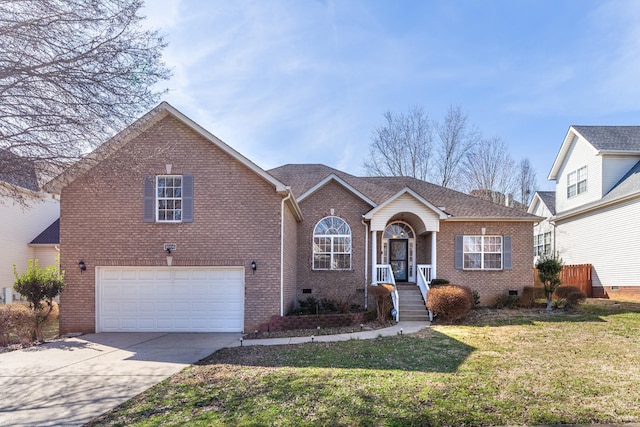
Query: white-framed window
x,y
577,182
332,244
542,244
169,198
482,252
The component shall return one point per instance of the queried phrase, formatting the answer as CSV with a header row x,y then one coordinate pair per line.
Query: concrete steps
x,y
412,307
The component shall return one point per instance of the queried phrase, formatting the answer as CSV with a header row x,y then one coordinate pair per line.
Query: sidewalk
x,y
397,329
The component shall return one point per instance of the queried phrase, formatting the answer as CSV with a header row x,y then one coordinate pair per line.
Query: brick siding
x,y
489,284
338,285
236,221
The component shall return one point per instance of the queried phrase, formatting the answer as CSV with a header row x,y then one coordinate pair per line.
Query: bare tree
x,y
402,147
456,138
72,73
527,181
489,171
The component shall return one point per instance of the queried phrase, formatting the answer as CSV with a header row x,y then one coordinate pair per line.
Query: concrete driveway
x,y
70,382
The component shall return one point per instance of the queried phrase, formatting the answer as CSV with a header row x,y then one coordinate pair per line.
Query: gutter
x,y
282,250
366,263
599,205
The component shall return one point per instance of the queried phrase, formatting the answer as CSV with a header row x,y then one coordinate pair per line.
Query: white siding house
x,y
25,213
543,204
597,218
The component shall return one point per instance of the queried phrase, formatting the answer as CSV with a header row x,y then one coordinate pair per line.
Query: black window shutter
x,y
458,252
149,209
187,198
506,249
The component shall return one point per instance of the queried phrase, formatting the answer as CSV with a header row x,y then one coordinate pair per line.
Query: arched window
x,y
398,230
332,244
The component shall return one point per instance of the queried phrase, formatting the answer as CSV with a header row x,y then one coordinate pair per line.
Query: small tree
x,y
549,268
40,287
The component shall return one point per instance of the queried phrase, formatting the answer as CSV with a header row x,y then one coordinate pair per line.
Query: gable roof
x,y
546,197
18,171
50,235
303,177
619,140
611,138
139,126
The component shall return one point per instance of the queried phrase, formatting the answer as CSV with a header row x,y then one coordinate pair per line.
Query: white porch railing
x,y
424,278
384,274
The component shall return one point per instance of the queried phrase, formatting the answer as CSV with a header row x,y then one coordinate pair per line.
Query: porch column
x,y
374,258
433,255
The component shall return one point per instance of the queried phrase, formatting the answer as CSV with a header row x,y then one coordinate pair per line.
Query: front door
x,y
398,258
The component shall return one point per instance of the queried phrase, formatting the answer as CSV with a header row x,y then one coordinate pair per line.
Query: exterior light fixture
x,y
82,266
254,266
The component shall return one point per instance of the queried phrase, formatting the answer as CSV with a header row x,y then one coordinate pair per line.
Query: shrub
x,y
438,282
563,291
18,319
549,269
5,328
530,294
575,298
570,295
476,298
40,286
308,306
450,302
382,295
507,301
328,306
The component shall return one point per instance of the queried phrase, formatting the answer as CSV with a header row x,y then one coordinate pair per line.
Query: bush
x,y
507,301
571,296
438,282
18,319
450,302
575,298
563,291
382,295
530,294
476,298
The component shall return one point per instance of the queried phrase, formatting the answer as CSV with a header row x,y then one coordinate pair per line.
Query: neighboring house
x,y
597,175
167,228
543,204
25,212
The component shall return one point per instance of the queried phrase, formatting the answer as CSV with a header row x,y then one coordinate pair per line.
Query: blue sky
x,y
307,81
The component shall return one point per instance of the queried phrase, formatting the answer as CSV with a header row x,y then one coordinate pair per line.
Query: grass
x,y
503,367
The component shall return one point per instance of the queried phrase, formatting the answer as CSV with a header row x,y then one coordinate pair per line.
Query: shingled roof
x,y
302,177
614,138
18,171
50,236
549,199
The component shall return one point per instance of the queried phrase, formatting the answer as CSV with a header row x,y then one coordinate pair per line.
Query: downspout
x,y
366,264
282,252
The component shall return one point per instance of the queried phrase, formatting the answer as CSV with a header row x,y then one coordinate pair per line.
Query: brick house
x,y
167,228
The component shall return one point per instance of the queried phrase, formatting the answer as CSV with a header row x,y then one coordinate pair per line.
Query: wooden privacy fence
x,y
572,275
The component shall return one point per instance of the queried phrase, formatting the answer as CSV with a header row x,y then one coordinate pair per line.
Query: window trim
x,y
542,244
483,252
158,199
332,252
577,184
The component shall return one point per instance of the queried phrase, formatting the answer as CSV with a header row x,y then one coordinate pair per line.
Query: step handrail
x,y
424,278
384,274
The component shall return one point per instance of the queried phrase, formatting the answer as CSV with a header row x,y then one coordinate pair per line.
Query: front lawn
x,y
504,367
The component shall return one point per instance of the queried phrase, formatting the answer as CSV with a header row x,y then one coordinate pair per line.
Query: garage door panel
x,y
170,299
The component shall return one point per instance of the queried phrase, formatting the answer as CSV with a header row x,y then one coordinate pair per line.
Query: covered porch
x,y
403,246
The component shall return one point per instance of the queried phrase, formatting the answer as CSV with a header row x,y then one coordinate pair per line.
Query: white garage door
x,y
170,299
